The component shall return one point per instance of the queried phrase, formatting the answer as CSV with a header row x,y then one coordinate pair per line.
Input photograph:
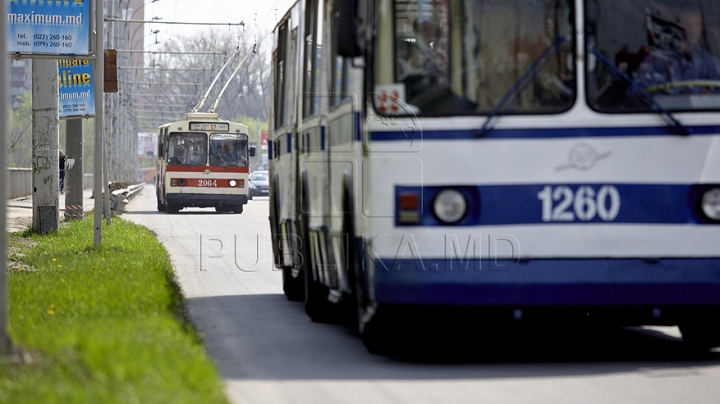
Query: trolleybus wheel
x,y
700,335
237,209
160,206
293,287
373,333
317,305
171,208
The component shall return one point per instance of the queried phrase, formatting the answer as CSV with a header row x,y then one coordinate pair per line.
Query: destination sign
x,y
209,126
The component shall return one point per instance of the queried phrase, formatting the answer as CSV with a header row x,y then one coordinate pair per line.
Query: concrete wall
x,y
20,182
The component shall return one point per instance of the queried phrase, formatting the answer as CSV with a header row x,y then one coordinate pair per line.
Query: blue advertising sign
x,y
57,27
75,88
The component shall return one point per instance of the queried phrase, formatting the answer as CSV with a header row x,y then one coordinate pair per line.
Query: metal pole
x,y
106,184
5,346
99,138
74,174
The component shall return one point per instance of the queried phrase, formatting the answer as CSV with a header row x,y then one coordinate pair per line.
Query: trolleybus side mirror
x,y
350,27
252,151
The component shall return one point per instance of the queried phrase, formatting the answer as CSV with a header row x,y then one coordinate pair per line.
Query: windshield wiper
x,y
646,99
521,85
224,162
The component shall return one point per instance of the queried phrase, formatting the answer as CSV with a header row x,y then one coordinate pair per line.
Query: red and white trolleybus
x,y
203,161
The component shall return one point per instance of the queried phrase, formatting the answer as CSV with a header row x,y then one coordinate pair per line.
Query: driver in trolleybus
x,y
684,60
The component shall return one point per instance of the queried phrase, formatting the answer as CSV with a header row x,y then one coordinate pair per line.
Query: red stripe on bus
x,y
213,183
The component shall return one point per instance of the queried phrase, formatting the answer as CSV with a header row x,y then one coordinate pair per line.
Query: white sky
x,y
262,14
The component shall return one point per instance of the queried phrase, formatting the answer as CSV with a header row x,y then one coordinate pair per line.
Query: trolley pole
x,y
98,73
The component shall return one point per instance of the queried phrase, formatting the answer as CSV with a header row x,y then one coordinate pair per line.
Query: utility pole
x,y
45,132
99,78
74,173
5,346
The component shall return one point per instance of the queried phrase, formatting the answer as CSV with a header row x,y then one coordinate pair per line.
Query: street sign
x,y
110,84
60,27
75,88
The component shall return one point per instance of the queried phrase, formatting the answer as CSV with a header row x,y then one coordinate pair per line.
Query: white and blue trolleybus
x,y
509,159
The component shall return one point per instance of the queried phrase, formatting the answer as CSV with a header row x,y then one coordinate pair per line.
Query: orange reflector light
x,y
409,201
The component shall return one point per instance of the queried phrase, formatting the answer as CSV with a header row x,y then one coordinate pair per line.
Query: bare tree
x,y
19,147
185,68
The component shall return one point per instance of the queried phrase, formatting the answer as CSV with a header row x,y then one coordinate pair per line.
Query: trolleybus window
x,y
230,150
340,80
661,52
472,56
187,148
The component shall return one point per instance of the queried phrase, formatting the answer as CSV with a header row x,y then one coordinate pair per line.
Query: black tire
x,y
275,231
160,206
172,209
376,337
701,336
293,287
374,333
317,305
237,209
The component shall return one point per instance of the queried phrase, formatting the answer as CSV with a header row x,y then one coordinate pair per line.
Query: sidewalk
x,y
20,210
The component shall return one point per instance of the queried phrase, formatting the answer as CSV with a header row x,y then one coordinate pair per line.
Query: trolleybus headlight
x,y
710,203
181,182
233,183
450,205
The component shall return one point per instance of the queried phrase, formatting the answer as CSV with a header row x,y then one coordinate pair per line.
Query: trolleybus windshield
x,y
229,150
187,148
664,49
467,56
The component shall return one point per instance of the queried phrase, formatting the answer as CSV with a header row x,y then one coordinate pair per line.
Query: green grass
x,y
100,326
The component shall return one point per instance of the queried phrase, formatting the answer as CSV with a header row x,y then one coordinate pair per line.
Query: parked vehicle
x,y
258,184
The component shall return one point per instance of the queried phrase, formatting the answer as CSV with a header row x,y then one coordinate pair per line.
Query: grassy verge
x,y
100,326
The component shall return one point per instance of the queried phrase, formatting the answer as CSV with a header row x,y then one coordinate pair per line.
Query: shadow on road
x,y
267,337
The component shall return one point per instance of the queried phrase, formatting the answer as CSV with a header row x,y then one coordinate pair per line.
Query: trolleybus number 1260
x,y
585,202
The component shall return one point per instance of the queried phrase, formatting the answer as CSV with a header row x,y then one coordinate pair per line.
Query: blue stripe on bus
x,y
561,204
534,133
322,138
548,282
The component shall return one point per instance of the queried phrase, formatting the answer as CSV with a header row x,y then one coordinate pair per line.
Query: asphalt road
x,y
268,351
